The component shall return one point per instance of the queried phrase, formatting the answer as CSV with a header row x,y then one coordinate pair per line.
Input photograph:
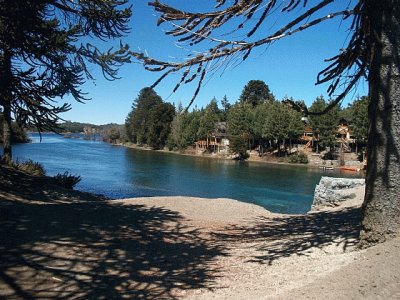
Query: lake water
x,y
120,172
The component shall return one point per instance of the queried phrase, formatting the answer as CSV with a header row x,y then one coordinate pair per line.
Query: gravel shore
x,y
60,244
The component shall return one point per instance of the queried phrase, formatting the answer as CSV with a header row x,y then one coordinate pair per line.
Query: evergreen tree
x,y
138,121
210,116
256,92
184,128
41,58
160,119
225,108
191,124
262,114
325,125
278,123
359,119
296,126
175,137
240,127
113,135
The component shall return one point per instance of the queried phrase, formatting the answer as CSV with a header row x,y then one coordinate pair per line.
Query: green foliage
x,y
137,122
191,123
67,180
296,125
210,116
324,126
149,122
175,137
188,127
359,118
238,145
75,127
277,125
113,134
298,158
276,121
256,92
160,119
240,128
262,115
225,108
240,120
18,135
30,167
184,129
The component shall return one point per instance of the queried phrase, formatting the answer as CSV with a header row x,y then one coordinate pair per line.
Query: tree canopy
x,y
324,126
357,114
42,59
149,121
256,92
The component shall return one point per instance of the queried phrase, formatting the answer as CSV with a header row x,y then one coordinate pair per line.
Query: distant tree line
x,y
112,133
75,127
256,120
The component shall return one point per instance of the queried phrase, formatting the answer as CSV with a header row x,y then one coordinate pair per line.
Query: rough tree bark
x,y
381,208
5,98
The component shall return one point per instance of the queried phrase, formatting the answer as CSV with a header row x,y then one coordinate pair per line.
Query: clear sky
x,y
289,67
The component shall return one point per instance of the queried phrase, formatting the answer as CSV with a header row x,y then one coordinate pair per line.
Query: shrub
x,y
31,167
67,180
300,158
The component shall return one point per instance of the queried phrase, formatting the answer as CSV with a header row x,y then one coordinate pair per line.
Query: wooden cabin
x,y
217,140
308,137
343,135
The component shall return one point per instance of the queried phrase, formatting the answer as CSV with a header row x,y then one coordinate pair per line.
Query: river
x,y
119,172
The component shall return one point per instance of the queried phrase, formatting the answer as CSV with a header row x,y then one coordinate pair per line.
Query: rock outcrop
x,y
331,192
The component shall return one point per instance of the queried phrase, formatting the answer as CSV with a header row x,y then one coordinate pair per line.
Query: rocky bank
x,y
334,192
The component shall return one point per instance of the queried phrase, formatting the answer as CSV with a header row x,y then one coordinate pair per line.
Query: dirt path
x,y
70,245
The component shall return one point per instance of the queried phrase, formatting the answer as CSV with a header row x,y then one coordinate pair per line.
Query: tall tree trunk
x,y
7,153
381,208
5,101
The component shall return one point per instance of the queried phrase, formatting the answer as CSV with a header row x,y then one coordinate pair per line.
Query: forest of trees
x,y
255,120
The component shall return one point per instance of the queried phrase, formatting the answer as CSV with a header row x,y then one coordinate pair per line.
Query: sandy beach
x,y
62,244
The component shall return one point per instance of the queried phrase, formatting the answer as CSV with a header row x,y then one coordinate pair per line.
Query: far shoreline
x,y
251,159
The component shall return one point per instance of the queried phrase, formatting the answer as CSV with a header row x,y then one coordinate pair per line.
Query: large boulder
x,y
331,192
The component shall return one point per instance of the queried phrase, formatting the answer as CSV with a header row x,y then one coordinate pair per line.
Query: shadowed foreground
x,y
101,251
71,245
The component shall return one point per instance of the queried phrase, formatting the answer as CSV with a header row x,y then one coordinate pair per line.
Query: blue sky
x,y
289,67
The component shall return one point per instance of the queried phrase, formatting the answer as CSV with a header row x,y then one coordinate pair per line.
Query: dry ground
x,y
57,244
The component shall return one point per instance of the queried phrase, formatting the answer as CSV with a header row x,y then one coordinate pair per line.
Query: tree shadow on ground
x,y
16,186
101,251
285,236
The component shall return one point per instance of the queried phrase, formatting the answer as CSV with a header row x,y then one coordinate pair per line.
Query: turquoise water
x,y
119,172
